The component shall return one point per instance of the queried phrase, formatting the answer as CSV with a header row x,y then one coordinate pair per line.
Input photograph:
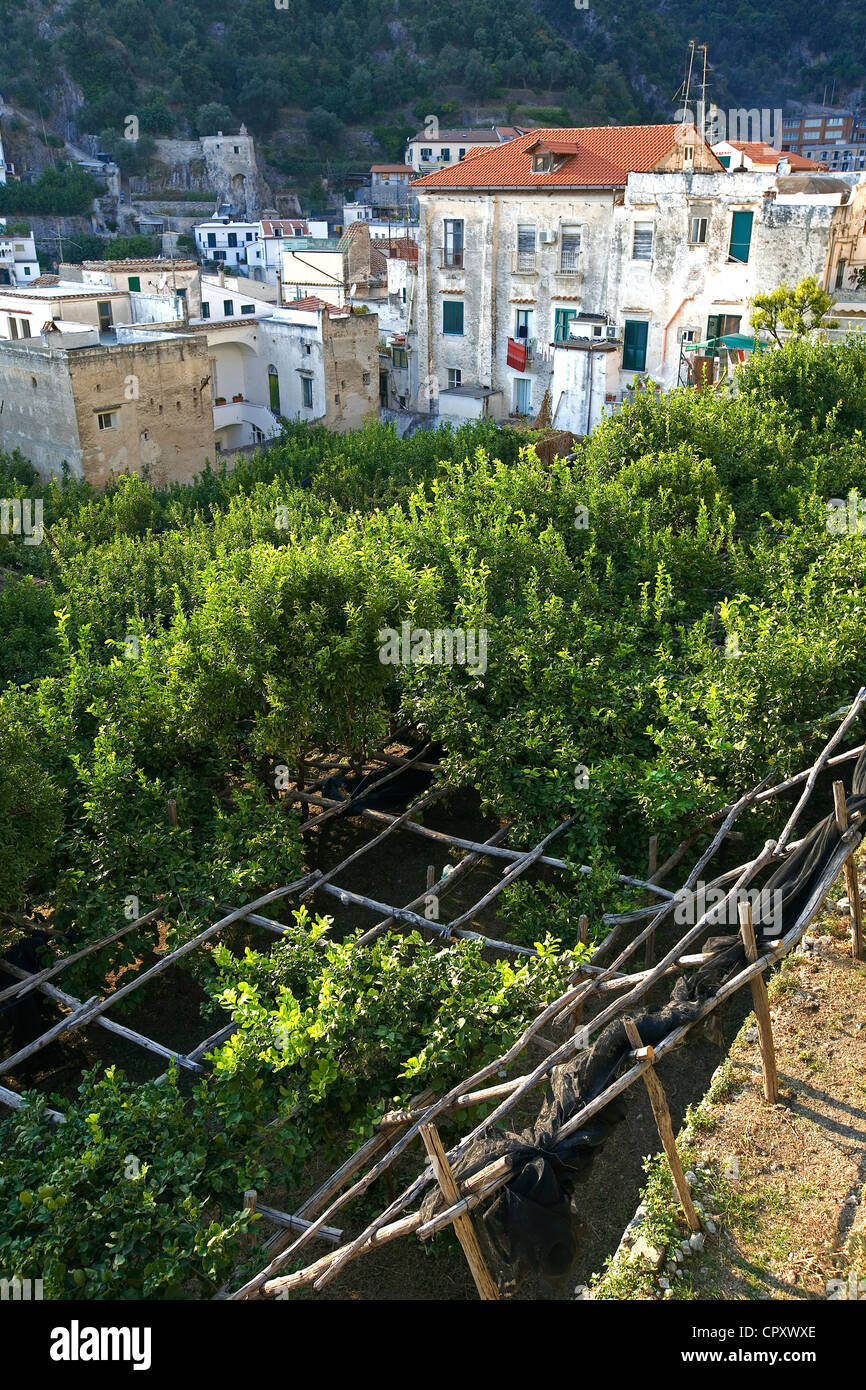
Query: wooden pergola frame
x,y
591,982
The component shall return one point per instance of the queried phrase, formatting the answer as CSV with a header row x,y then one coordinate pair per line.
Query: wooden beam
x,y
853,887
465,1231
661,1111
761,1006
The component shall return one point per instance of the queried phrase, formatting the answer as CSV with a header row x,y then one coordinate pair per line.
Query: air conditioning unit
x,y
547,238
610,330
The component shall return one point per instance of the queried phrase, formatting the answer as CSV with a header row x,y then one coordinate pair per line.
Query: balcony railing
x,y
524,263
569,263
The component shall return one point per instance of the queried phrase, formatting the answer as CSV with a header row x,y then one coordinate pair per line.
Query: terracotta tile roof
x,y
605,157
759,152
147,263
284,226
311,302
400,248
391,169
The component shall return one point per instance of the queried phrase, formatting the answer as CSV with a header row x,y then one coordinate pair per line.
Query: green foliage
x,y
66,191
30,819
134,1197
797,311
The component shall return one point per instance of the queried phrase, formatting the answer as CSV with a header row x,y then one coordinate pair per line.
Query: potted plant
x,y
220,400
239,397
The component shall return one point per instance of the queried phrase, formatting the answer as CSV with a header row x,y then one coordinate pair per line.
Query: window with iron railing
x,y
569,256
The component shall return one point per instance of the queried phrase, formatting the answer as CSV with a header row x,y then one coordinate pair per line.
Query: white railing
x,y
523,262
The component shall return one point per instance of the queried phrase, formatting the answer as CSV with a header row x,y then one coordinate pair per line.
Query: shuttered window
x,y
642,244
634,345
741,236
452,316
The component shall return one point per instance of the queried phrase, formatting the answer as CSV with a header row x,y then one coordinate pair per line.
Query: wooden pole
x,y
761,1006
172,813
659,1103
484,1282
652,865
582,936
853,887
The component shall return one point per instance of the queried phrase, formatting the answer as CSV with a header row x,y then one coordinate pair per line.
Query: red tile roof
x,y
391,169
759,152
284,226
605,157
311,302
401,248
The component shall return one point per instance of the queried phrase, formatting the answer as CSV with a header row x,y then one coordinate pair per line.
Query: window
x,y
103,309
211,238
455,378
107,420
250,236
248,308
642,241
453,241
24,328
525,246
365,378
561,319
461,153
274,390
522,321
13,327
724,160
205,311
232,239
307,390
426,153
542,163
522,395
237,149
634,345
400,357
228,307
596,330
219,255
688,154
383,390
135,283
569,256
698,231
26,270
446,156
840,275
741,236
452,317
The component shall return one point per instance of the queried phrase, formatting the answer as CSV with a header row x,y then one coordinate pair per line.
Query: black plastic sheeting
x,y
531,1226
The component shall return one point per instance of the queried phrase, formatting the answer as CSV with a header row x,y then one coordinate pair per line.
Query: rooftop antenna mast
x,y
685,89
702,105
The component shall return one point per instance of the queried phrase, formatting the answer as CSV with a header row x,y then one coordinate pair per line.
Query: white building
x,y
431,149
569,264
19,262
233,243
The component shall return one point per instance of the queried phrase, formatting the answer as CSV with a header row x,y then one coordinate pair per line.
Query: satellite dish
x,y
353,291
162,282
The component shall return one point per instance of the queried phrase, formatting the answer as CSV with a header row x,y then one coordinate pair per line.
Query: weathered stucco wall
x,y
351,363
37,409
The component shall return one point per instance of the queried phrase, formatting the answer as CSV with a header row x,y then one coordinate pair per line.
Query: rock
x,y
685,1247
679,1257
664,1283
710,1227
697,1240
668,1293
642,1250
691,1178
843,907
751,1035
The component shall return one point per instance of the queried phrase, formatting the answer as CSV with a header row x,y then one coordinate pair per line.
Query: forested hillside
x,y
383,63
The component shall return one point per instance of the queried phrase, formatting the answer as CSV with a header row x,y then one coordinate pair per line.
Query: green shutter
x,y
724,160
452,316
741,235
135,283
562,318
713,324
634,345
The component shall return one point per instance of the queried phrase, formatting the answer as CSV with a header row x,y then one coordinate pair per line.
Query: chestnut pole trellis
x,y
591,982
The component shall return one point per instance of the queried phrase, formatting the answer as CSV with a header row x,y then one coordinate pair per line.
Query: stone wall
x,y
37,409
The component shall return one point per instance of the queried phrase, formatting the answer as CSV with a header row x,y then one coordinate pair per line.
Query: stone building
x,y
141,404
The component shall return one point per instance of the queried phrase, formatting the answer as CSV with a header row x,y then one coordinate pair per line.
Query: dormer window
x,y
549,157
542,163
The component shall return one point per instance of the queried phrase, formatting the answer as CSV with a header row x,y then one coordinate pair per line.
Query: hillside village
x,y
537,275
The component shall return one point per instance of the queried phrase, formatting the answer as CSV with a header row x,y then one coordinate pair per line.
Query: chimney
x,y
222,275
